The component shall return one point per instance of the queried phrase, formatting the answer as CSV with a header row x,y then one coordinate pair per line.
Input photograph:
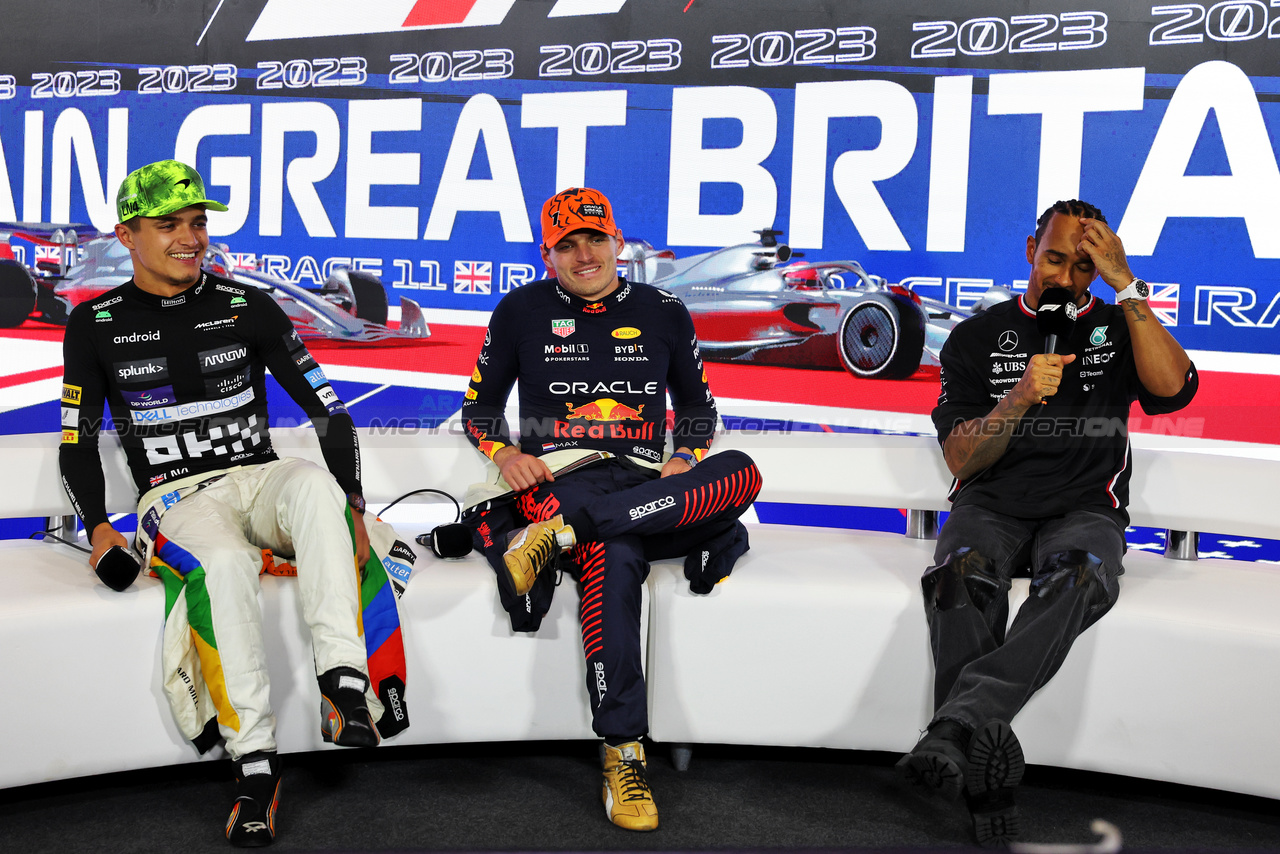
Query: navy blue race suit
x,y
595,376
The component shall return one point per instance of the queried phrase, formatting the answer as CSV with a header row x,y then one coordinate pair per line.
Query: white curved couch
x,y
818,639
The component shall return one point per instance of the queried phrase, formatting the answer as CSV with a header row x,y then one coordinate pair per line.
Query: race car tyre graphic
x,y
371,297
17,294
882,337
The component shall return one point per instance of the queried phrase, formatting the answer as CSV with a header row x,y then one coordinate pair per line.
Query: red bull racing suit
x,y
595,376
183,379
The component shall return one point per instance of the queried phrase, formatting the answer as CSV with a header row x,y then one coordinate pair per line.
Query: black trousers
x,y
980,671
624,515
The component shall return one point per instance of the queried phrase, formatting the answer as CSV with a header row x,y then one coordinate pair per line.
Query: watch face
x,y
1141,289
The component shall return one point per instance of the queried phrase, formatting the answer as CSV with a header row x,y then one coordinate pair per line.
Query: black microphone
x,y
1055,316
118,568
447,541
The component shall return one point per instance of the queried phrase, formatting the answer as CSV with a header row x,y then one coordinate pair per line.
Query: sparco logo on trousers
x,y
652,507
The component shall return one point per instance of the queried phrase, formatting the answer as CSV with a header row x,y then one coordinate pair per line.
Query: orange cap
x,y
574,209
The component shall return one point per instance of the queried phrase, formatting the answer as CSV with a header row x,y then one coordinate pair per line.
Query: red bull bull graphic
x,y
605,409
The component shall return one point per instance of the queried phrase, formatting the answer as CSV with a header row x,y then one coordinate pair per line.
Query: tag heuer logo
x,y
1099,336
563,328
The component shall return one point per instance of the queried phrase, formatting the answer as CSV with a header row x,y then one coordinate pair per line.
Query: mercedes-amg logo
x,y
1008,340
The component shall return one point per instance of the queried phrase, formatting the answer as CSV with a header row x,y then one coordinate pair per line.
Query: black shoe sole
x,y
932,773
996,766
352,731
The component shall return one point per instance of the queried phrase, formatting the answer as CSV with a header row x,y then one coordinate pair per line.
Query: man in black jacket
x,y
1038,443
179,356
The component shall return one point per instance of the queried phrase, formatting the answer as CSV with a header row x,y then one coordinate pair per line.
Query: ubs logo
x,y
1007,341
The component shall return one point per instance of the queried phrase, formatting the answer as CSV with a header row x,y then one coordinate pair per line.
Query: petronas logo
x,y
1099,336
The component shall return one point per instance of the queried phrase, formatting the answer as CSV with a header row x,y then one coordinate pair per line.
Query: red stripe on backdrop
x,y
1229,406
30,377
428,12
1233,407
449,350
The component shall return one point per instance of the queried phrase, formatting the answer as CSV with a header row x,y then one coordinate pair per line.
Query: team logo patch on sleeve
x,y
316,378
71,394
70,437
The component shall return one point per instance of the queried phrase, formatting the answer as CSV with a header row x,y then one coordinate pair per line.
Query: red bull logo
x,y
612,413
605,409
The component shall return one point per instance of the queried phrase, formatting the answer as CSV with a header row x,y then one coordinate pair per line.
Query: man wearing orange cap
x,y
595,357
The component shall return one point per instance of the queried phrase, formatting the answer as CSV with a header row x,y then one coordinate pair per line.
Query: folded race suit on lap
x,y
193,678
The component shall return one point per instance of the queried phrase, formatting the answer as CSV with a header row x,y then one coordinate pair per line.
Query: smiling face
x,y
585,262
167,250
1058,262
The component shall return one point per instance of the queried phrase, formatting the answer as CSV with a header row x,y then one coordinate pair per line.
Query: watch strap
x,y
1137,289
688,458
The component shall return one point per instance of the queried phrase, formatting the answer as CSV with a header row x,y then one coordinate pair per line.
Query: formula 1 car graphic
x,y
749,305
350,306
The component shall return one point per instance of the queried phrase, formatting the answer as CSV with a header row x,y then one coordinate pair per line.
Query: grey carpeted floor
x,y
545,797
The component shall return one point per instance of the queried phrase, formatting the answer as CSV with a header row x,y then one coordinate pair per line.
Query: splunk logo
x,y
145,369
652,507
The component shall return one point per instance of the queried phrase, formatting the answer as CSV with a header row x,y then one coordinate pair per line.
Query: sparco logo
x,y
601,687
652,507
393,697
134,338
237,291
99,306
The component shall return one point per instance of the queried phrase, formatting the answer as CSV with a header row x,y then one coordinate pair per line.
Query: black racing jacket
x,y
183,379
593,375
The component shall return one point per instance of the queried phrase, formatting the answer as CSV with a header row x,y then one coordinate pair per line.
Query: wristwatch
x,y
356,501
1137,290
688,458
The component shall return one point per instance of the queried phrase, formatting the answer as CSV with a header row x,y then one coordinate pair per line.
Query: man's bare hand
x,y
104,537
521,471
362,538
1104,247
1041,379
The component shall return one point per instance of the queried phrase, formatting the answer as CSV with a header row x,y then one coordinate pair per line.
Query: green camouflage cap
x,y
159,189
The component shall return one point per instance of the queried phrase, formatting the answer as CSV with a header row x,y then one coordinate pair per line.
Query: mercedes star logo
x,y
1008,340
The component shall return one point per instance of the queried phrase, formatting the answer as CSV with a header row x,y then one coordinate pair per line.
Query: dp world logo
x,y
1007,341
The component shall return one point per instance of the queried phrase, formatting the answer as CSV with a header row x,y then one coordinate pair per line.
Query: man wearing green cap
x,y
179,356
